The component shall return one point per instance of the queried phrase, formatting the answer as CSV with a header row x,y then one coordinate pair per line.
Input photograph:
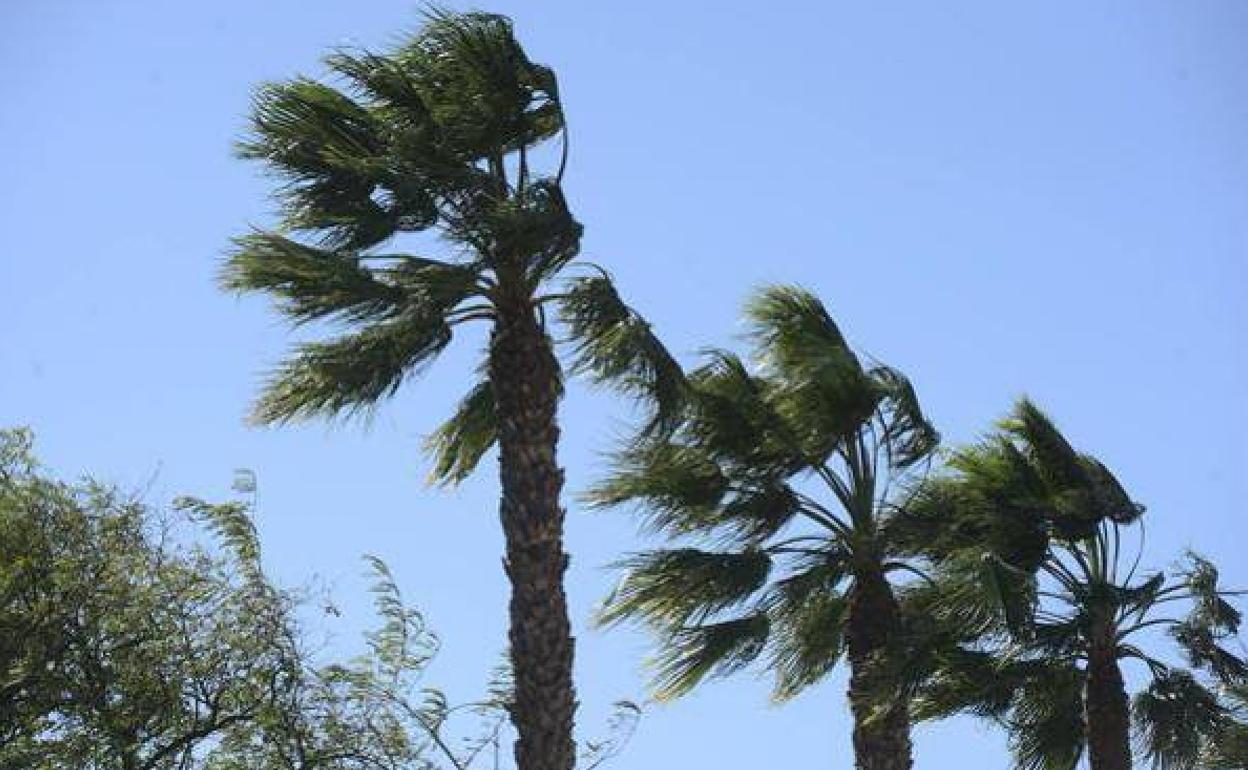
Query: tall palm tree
x,y
778,477
439,135
1036,574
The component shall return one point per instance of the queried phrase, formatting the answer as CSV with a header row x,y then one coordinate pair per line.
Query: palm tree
x,y
780,477
1036,574
439,135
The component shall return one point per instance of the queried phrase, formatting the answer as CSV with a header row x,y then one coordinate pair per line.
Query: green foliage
x,y
1178,717
1046,720
370,712
809,629
676,587
784,467
690,654
308,283
416,141
410,144
434,134
351,373
127,643
1028,538
613,344
460,443
1228,748
120,648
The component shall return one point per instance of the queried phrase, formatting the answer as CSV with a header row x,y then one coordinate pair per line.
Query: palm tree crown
x,y
1032,541
780,474
434,136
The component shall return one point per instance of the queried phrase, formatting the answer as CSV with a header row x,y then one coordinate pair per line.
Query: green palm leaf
x,y
352,373
613,344
460,443
719,649
674,587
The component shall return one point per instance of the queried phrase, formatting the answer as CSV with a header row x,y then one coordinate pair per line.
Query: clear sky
x,y
998,198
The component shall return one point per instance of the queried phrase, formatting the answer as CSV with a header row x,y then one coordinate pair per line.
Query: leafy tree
x,y
1035,568
780,475
442,134
118,650
126,646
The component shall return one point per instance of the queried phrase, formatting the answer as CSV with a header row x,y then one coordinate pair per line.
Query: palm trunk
x,y
881,723
1105,705
526,382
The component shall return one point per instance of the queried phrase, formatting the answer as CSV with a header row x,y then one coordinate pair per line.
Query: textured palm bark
x,y
527,387
881,739
1105,706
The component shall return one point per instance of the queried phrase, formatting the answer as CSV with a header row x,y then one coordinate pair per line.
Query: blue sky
x,y
998,198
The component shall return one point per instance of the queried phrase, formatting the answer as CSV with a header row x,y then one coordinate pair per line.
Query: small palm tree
x,y
1034,570
440,134
780,477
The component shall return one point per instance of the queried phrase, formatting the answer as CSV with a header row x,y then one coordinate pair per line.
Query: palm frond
x,y
670,588
479,85
677,487
908,435
1210,607
1082,491
1228,748
308,283
1109,498
1174,719
977,594
821,390
1200,644
794,329
352,373
459,443
679,490
616,346
537,223
418,142
692,653
731,417
758,511
807,636
1052,454
970,681
330,151
1047,727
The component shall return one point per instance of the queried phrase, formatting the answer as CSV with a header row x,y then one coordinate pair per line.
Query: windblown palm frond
x,y
1228,749
613,344
1176,718
459,444
352,373
720,648
1046,721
